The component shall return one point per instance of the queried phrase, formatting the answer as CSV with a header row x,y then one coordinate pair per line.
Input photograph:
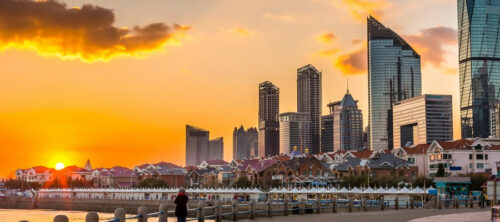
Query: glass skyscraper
x,y
479,64
393,75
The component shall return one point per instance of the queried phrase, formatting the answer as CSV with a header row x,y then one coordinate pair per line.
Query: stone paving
x,y
404,215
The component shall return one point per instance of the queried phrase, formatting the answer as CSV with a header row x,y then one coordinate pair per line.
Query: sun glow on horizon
x,y
59,166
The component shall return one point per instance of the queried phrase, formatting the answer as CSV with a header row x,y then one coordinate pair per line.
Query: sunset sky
x,y
76,84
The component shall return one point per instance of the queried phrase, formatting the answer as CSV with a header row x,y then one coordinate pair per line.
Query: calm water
x,y
48,215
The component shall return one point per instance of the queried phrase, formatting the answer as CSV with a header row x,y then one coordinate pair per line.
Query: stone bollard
x,y
234,210
350,204
163,209
382,203
302,206
471,202
142,214
119,215
365,205
285,207
61,218
200,212
334,205
92,217
412,202
396,203
252,209
438,202
457,202
269,207
318,205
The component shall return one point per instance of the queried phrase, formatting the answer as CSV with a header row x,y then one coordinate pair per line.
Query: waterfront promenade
x,y
403,215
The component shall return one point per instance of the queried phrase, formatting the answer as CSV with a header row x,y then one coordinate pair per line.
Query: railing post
x,y
349,204
382,203
471,202
285,207
234,210
457,203
269,206
302,206
120,214
412,202
142,214
200,211
334,205
92,217
163,209
438,201
61,218
318,204
396,203
252,209
365,205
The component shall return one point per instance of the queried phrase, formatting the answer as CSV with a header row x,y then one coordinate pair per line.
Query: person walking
x,y
181,205
482,199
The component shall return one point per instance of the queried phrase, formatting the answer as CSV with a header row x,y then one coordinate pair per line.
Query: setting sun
x,y
59,166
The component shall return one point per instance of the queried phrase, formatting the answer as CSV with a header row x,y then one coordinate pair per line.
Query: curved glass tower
x,y
479,64
393,75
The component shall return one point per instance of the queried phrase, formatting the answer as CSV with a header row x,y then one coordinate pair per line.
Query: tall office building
x,y
393,75
269,97
423,119
295,132
245,143
199,148
347,124
479,64
309,101
327,133
215,149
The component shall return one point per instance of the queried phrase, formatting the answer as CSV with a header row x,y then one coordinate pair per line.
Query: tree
x,y
440,172
152,182
242,182
421,180
275,183
477,180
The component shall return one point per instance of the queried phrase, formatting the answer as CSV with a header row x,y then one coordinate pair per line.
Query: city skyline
x,y
63,110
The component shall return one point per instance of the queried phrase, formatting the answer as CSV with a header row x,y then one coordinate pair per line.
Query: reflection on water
x,y
48,215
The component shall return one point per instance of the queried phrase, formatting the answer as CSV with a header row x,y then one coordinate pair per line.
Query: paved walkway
x,y
404,215
482,216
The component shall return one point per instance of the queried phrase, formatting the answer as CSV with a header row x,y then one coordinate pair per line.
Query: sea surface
x,y
8,215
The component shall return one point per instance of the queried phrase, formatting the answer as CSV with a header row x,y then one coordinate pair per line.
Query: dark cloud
x,y
87,33
353,62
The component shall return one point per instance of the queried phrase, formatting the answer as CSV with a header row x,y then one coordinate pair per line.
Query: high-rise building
x,y
423,119
479,64
309,101
215,149
199,148
294,132
393,75
245,143
347,124
327,133
269,97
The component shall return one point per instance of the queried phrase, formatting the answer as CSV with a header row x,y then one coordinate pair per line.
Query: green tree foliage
x,y
440,172
242,182
275,183
420,180
22,185
362,181
152,183
477,180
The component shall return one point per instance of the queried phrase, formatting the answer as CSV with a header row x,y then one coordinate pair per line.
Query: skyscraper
x,y
309,101
294,132
479,64
423,119
245,143
199,148
347,124
327,133
393,75
269,97
196,145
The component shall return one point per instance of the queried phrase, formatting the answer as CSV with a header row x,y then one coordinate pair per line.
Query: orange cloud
x,y
360,9
327,53
353,62
430,43
326,37
86,33
242,31
279,17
